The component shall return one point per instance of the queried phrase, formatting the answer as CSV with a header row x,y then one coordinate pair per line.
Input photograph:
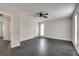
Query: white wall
x,y
73,29
36,29
15,41
16,31
76,45
27,28
1,29
59,29
23,27
78,30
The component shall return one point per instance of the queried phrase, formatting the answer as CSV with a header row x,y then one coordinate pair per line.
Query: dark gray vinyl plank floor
x,y
4,47
38,47
44,47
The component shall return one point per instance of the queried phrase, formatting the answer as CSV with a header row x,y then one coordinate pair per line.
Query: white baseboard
x,y
75,47
26,39
15,45
59,38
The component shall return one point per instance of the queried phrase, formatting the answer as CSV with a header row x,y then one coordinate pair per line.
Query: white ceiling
x,y
54,10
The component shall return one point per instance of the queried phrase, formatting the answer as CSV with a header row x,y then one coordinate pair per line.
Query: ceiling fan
x,y
41,14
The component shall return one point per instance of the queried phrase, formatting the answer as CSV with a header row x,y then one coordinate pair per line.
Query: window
x,y
76,29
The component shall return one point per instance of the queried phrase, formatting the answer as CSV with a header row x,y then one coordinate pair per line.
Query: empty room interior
x,y
39,29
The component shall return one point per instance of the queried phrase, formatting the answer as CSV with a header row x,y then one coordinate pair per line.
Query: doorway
x,y
5,35
41,29
5,28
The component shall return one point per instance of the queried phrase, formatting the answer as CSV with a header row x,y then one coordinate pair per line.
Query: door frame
x,y
11,25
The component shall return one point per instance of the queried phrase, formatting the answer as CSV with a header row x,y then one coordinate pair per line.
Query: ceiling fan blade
x,y
45,14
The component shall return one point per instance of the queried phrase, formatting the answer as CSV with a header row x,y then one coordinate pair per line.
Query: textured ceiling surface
x,y
54,10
